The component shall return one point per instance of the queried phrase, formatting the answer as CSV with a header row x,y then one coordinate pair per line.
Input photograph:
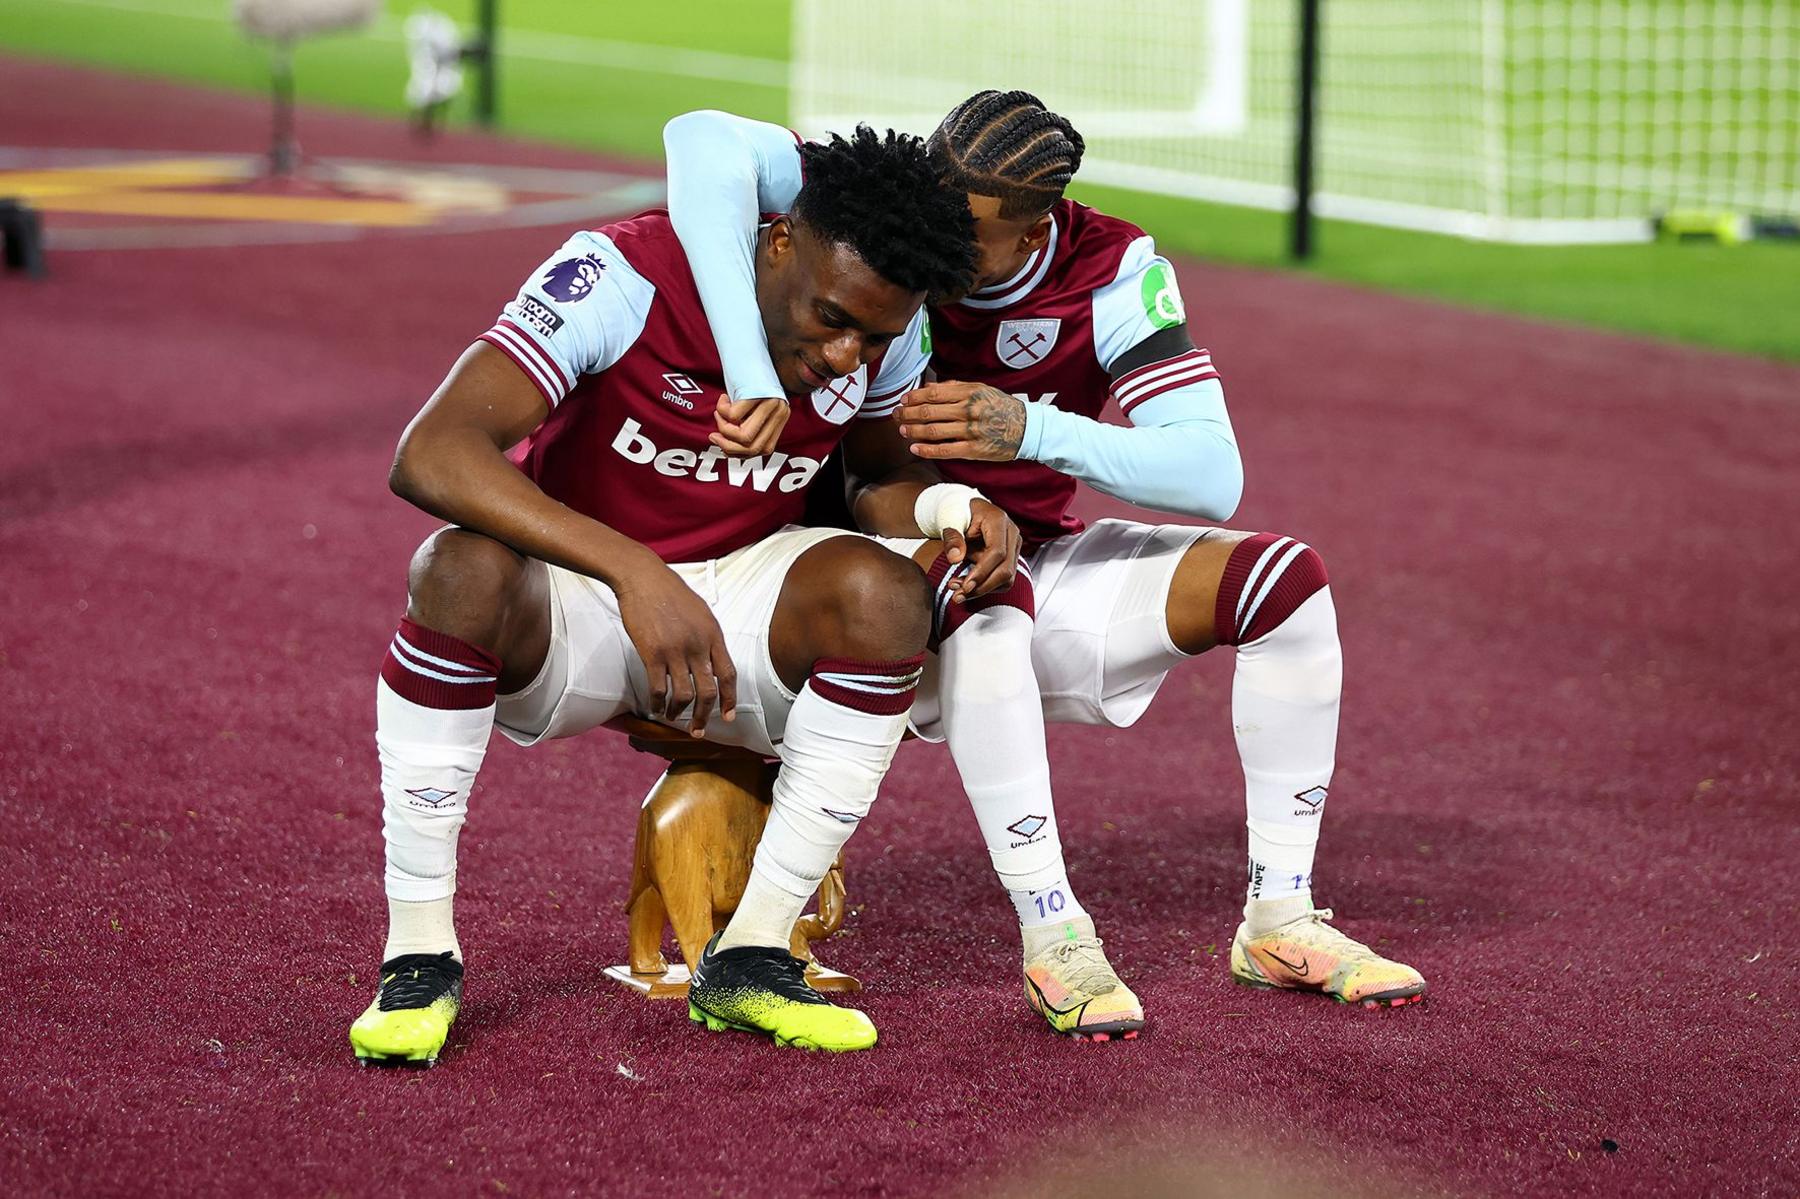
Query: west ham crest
x,y
841,399
1025,343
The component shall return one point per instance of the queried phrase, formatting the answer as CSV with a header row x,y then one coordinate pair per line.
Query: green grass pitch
x,y
638,64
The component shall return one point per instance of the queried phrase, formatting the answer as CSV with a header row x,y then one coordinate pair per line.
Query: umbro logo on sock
x,y
432,797
1028,826
844,817
1313,798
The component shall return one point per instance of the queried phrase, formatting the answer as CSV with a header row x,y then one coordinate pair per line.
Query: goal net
x,y
1516,120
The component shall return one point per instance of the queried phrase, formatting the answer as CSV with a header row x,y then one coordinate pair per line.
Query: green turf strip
x,y
598,94
1744,298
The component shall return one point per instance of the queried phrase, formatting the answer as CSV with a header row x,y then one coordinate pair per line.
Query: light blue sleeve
x,y
575,315
724,173
1179,455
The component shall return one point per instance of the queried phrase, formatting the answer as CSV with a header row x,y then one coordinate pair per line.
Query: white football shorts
x,y
592,672
1101,644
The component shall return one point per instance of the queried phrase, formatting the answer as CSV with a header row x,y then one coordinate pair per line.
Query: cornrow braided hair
x,y
880,196
1009,146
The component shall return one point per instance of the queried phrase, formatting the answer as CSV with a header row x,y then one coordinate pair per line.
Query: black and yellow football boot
x,y
411,1016
757,988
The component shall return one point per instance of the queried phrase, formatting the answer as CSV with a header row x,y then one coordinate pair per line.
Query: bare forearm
x,y
459,475
451,462
886,507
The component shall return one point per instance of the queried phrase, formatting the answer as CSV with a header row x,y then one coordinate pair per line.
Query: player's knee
x,y
878,603
1266,580
463,583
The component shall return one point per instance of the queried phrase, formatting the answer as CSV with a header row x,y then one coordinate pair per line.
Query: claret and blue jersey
x,y
1051,336
611,331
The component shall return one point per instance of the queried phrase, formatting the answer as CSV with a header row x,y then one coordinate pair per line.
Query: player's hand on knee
x,y
682,648
963,420
714,686
991,549
747,428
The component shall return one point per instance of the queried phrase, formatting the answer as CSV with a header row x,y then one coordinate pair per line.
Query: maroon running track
x,y
1565,564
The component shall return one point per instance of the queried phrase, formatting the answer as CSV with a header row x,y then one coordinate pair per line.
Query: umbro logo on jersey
x,y
1026,343
783,472
681,391
841,399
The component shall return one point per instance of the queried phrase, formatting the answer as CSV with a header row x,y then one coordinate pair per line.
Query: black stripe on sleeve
x,y
1160,345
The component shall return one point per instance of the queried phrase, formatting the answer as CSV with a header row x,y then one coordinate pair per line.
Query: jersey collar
x,y
1000,295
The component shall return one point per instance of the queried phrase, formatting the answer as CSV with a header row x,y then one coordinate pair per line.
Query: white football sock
x,y
429,760
993,720
1052,903
833,757
1284,708
425,927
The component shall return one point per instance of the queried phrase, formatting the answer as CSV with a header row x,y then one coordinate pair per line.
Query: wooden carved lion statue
x,y
696,837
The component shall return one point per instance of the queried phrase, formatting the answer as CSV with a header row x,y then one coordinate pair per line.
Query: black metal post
x,y
284,143
1300,233
21,238
487,102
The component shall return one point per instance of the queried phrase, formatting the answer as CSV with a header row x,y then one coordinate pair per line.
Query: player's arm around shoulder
x,y
724,171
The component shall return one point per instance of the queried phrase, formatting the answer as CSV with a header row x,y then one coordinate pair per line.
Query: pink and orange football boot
x,y
1309,955
1070,984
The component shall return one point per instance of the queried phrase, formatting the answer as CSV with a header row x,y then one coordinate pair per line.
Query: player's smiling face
x,y
1004,243
825,311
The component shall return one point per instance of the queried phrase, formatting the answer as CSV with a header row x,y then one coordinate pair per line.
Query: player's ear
x,y
1037,236
780,245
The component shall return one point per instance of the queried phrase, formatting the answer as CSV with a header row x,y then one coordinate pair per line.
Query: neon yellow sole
x,y
408,1038
798,1040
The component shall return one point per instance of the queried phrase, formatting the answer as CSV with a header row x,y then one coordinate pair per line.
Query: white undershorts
x,y
1100,644
593,673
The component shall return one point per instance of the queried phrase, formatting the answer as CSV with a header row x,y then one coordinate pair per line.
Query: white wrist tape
x,y
944,506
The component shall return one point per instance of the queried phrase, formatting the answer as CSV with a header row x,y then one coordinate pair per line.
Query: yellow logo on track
x,y
115,198
218,190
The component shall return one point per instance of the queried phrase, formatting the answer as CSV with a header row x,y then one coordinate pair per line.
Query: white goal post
x,y
1546,121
